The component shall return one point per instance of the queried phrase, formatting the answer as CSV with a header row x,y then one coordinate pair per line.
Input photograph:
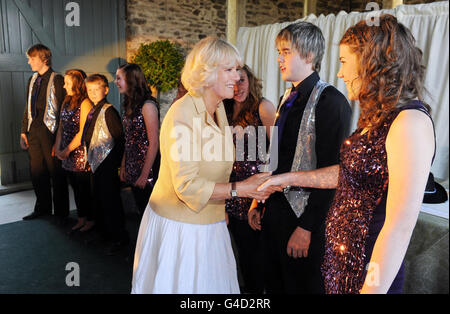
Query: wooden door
x,y
96,45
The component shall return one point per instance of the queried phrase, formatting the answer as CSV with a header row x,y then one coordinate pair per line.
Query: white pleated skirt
x,y
183,258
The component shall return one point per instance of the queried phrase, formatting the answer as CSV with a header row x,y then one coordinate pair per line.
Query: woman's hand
x,y
248,187
277,182
62,155
58,153
141,182
122,169
122,174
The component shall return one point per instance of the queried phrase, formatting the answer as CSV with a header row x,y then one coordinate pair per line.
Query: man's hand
x,y
23,141
248,187
298,244
254,219
277,182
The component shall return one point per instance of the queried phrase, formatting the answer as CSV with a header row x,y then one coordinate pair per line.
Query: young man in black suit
x,y
313,119
45,94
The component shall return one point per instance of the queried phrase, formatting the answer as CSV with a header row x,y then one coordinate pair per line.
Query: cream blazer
x,y
196,153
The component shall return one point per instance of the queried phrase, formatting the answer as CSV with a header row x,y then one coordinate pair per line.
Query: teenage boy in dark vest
x,y
313,119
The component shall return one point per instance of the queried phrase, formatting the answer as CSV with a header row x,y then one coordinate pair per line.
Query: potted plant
x,y
162,62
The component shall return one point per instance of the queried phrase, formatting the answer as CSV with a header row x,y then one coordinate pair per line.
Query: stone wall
x,y
260,12
182,21
326,7
188,21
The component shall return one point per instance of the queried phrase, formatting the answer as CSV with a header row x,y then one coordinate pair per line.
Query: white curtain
x,y
429,24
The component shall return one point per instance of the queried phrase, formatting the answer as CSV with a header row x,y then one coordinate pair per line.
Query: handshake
x,y
260,186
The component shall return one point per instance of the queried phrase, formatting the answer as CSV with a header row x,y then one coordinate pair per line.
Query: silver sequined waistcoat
x,y
102,141
305,152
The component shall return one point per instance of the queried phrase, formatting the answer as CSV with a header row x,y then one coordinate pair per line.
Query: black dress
x,y
247,240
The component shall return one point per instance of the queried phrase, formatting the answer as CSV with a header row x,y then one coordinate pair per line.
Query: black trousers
x,y
284,274
46,171
81,185
108,202
248,245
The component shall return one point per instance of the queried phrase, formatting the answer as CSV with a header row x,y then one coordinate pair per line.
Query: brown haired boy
x,y
45,94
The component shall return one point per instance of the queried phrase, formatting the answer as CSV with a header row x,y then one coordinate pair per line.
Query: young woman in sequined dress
x,y
247,109
141,124
385,163
68,148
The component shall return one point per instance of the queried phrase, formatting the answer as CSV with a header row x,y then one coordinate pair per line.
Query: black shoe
x,y
34,215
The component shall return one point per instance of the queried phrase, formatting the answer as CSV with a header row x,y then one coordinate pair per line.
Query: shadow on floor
x,y
34,256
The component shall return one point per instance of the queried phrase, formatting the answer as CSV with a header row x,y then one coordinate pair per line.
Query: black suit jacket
x,y
333,114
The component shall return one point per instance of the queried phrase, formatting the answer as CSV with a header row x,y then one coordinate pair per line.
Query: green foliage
x,y
162,62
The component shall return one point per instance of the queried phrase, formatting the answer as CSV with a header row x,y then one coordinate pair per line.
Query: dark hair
x,y
390,67
246,115
78,88
181,91
97,78
42,51
137,89
306,38
82,73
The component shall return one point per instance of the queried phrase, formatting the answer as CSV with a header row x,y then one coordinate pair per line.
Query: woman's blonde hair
x,y
202,63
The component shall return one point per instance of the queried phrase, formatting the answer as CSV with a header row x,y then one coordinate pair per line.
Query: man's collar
x,y
101,103
47,73
306,86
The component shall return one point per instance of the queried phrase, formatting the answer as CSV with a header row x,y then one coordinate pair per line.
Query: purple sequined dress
x,y
242,169
70,123
358,210
136,145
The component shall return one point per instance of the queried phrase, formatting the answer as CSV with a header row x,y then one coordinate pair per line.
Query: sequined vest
x,y
305,152
51,107
102,141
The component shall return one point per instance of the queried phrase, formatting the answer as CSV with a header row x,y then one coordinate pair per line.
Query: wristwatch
x,y
233,189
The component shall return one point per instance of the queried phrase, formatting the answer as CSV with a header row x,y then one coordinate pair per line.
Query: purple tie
x,y
36,88
284,111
